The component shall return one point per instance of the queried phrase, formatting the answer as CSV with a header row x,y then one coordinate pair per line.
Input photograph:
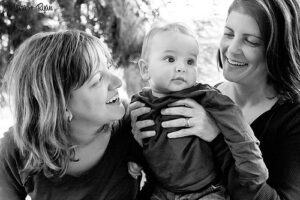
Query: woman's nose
x,y
115,82
234,46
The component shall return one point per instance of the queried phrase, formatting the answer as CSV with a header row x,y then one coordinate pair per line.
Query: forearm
x,y
231,177
249,164
240,139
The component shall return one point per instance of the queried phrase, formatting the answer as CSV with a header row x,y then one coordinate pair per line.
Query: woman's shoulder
x,y
286,115
9,151
289,106
7,143
11,159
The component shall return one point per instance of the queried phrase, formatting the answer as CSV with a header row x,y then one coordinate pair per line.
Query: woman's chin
x,y
118,111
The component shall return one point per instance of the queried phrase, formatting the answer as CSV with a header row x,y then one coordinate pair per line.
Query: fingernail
x,y
163,124
163,111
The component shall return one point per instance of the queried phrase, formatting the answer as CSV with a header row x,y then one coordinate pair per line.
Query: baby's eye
x,y
169,59
190,61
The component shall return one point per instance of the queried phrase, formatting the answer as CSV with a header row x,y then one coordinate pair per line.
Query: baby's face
x,y
172,61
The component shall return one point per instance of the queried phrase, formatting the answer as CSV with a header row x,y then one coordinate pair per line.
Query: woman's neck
x,y
91,146
82,134
252,94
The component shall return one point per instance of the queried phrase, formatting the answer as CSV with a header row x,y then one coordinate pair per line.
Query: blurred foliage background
x,y
121,24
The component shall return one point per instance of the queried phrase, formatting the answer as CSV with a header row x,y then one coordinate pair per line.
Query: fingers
x,y
147,134
140,135
185,102
134,114
193,132
137,109
187,108
181,133
144,123
184,111
180,122
135,105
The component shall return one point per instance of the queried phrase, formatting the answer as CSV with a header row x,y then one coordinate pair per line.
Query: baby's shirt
x,y
187,164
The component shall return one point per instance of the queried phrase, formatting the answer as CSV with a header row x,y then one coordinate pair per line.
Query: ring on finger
x,y
187,122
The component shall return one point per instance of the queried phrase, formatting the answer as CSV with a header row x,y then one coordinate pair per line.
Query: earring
x,y
69,115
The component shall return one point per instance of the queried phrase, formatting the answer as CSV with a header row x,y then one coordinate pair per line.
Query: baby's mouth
x,y
179,79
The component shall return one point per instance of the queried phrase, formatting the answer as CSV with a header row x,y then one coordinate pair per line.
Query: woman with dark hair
x,y
67,141
260,56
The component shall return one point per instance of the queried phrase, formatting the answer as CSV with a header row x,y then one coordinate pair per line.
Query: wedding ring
x,y
187,122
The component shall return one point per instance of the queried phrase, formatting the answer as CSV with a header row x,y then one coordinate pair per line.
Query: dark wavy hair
x,y
45,69
279,24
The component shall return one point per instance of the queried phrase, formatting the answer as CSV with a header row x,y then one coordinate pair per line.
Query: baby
x,y
185,168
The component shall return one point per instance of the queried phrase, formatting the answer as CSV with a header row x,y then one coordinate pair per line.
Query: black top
x,y
278,130
107,180
187,164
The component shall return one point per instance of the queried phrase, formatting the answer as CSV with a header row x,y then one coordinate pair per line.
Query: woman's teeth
x,y
114,99
236,63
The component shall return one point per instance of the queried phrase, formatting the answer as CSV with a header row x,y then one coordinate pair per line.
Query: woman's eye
x,y
191,62
170,59
228,34
253,43
98,81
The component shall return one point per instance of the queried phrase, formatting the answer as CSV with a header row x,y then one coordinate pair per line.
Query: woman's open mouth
x,y
114,99
236,63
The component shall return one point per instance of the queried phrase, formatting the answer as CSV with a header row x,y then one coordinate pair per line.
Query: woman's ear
x,y
68,115
144,69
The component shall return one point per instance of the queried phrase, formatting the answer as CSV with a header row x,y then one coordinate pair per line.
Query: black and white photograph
x,y
149,100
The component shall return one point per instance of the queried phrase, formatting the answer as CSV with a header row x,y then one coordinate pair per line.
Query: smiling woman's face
x,y
242,50
97,101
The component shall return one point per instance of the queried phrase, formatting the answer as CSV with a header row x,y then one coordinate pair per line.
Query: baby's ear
x,y
144,70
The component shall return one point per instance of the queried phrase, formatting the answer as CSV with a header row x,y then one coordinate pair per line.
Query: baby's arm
x,y
239,137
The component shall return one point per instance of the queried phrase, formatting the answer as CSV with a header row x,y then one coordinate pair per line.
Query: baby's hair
x,y
161,27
